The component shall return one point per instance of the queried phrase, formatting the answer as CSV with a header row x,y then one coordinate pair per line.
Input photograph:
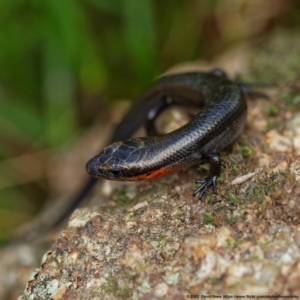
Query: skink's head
x,y
118,161
127,161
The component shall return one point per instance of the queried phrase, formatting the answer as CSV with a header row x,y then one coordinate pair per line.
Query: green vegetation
x,y
208,218
221,178
111,286
233,198
234,170
272,110
246,151
123,200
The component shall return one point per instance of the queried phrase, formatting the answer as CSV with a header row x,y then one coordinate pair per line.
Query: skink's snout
x,y
92,167
105,166
99,165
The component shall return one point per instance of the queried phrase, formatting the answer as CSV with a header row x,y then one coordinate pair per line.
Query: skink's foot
x,y
210,181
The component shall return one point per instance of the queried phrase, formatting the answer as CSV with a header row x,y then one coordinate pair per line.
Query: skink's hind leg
x,y
155,111
249,89
214,172
251,93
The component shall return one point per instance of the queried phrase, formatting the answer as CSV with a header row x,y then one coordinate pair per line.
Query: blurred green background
x,y
62,61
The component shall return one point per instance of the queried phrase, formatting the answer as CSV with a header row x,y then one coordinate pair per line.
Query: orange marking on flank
x,y
156,174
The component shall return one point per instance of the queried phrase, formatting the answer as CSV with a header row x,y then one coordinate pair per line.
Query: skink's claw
x,y
210,181
200,181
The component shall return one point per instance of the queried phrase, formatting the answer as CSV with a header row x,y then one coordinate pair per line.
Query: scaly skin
x,y
218,124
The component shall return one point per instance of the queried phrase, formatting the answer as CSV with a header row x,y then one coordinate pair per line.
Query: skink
x,y
219,123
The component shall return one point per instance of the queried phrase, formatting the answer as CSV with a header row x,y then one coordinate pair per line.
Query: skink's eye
x,y
115,173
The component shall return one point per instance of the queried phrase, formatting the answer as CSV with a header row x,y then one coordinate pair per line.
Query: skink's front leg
x,y
211,180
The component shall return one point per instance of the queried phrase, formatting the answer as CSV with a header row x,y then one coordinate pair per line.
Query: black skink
x,y
218,124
